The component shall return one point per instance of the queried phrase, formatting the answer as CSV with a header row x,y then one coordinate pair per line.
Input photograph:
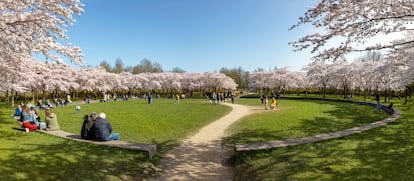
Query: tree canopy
x,y
354,24
28,26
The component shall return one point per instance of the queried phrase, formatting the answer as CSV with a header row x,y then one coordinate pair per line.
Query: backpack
x,y
87,128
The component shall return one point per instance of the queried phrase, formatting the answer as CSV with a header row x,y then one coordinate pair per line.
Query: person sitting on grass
x,y
51,120
103,129
17,113
274,104
34,110
29,121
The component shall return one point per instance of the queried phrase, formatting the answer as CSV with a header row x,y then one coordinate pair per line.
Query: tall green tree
x,y
177,70
147,65
239,75
119,66
106,65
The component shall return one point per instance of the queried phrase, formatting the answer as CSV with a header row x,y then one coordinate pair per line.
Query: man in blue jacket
x,y
103,129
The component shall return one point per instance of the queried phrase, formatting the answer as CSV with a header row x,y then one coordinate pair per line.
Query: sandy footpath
x,y
201,156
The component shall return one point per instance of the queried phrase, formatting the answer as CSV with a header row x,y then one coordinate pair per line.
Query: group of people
x,y
217,97
97,127
28,117
265,101
109,96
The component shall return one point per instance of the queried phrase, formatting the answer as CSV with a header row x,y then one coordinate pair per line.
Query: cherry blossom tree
x,y
12,79
364,75
341,77
218,81
354,24
319,75
261,80
192,82
32,26
391,76
170,81
151,81
299,81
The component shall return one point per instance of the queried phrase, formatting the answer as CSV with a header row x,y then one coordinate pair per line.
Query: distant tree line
x,y
239,75
145,65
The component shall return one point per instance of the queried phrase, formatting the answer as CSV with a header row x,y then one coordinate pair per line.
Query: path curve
x,y
202,156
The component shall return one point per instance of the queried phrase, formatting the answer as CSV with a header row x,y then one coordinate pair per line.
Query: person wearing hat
x,y
103,129
51,120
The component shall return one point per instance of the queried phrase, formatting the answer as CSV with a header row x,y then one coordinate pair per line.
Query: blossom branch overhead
x,y
355,23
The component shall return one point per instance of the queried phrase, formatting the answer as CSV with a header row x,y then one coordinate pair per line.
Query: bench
x,y
151,149
241,148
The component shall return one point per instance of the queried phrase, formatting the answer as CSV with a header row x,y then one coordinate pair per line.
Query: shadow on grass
x,y
5,117
69,160
339,118
357,115
385,153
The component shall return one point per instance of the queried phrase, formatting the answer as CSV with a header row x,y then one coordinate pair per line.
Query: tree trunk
x,y
33,96
44,95
344,91
406,95
369,93
365,94
12,98
8,97
324,91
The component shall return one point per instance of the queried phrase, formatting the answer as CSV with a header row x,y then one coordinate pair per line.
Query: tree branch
x,y
384,47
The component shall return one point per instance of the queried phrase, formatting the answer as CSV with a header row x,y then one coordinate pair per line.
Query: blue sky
x,y
195,35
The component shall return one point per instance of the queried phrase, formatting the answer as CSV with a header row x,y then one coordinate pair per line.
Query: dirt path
x,y
201,156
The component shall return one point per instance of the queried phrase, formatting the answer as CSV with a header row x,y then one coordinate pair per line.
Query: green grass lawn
x,y
161,123
385,153
37,156
299,118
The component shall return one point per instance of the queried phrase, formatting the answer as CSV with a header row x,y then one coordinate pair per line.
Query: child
x,y
274,104
77,109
